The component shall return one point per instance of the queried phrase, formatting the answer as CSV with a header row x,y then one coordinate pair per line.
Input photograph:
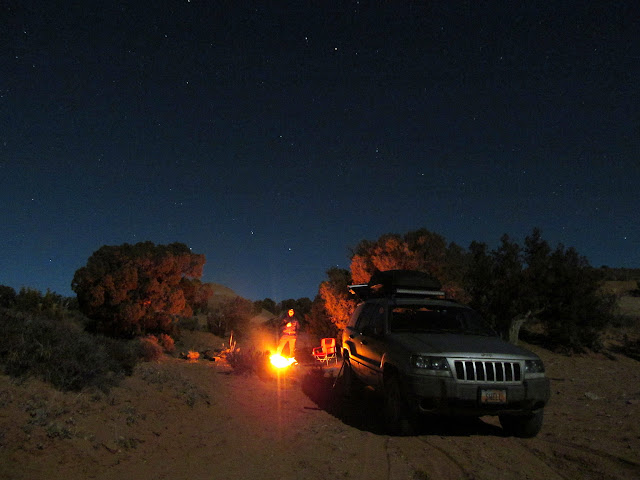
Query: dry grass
x,y
620,288
164,377
624,336
198,341
629,306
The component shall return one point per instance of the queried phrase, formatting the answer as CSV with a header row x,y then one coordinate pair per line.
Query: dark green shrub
x,y
59,352
247,361
150,349
76,361
631,348
216,325
188,323
167,343
557,287
123,354
7,296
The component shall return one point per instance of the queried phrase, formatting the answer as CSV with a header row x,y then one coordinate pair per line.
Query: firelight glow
x,y
279,361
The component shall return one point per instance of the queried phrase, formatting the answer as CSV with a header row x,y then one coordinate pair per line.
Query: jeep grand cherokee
x,y
426,354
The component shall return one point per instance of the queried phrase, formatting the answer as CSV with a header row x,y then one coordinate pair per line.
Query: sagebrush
x,y
60,352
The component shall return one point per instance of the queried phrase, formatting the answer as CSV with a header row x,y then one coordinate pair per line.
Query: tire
x,y
396,411
523,426
348,379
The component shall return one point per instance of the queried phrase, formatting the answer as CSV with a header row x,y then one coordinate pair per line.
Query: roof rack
x,y
361,290
426,293
406,283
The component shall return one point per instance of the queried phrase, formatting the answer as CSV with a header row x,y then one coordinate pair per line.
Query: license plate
x,y
493,396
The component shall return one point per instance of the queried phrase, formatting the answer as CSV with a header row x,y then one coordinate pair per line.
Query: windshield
x,y
436,319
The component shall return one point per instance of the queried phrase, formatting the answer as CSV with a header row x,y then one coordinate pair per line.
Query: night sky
x,y
273,136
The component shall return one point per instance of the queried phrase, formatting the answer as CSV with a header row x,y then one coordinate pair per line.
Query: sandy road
x,y
305,430
296,427
581,438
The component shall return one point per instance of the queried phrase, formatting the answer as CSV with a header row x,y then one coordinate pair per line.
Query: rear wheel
x,y
524,426
396,411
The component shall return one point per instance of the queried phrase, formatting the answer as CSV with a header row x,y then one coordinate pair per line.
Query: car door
x,y
369,342
352,337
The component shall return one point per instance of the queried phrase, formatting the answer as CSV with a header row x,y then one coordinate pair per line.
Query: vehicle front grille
x,y
487,371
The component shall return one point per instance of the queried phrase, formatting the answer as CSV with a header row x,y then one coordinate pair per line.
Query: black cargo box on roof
x,y
389,279
399,282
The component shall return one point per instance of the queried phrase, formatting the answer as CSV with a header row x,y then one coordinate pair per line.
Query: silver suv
x,y
426,354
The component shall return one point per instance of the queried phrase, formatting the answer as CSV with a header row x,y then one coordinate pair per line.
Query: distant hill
x,y
262,318
621,274
222,290
220,293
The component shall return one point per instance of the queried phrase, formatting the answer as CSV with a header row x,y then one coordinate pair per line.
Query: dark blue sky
x,y
274,136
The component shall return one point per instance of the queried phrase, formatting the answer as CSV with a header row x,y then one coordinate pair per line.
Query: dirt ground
x,y
177,419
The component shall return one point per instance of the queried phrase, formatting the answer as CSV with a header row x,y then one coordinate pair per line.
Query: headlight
x,y
430,363
533,368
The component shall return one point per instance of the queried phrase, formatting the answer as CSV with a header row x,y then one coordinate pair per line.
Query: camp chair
x,y
326,351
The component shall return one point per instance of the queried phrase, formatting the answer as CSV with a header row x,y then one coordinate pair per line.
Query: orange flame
x,y
279,361
193,356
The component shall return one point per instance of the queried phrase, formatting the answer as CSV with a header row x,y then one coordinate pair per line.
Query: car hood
x,y
448,344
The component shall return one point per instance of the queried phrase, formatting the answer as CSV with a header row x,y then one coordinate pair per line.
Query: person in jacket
x,y
289,335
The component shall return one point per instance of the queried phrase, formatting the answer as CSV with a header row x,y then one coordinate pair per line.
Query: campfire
x,y
193,356
279,361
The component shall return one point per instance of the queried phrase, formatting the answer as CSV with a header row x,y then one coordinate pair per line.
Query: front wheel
x,y
523,426
396,412
348,380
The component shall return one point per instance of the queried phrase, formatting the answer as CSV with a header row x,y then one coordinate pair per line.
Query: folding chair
x,y
326,351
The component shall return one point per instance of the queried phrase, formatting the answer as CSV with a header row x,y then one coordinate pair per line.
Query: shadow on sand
x,y
362,409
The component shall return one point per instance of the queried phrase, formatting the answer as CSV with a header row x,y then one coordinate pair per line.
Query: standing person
x,y
289,333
